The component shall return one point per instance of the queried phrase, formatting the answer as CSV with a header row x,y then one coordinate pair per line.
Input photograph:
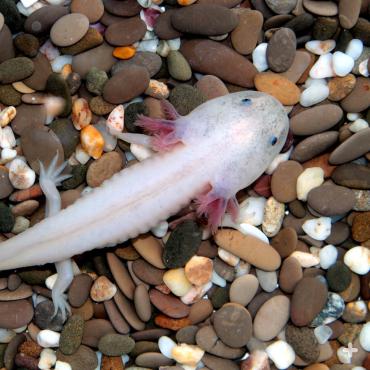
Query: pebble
x,y
92,9
278,86
251,210
364,337
250,23
198,270
16,69
320,47
309,179
71,335
102,289
279,7
304,342
177,282
116,344
47,359
225,62
248,248
358,260
340,87
48,338
79,290
192,19
342,63
125,32
211,87
359,99
281,353
20,175
169,305
314,94
233,325
328,256
92,141
243,289
142,303
309,298
150,249
84,358
186,354
273,217
354,48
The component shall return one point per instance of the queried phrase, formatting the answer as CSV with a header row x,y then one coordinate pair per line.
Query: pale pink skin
x,y
221,147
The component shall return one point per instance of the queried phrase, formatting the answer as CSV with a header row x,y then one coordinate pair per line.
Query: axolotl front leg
x,y
50,178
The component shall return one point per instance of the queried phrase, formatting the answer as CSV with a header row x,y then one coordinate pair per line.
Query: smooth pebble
x,y
281,354
342,63
318,228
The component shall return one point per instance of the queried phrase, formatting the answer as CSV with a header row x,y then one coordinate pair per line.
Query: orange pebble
x,y
185,2
66,70
92,141
112,363
33,192
321,161
173,324
124,52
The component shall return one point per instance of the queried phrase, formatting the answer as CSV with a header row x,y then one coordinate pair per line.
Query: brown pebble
x,y
94,330
115,317
340,87
147,273
290,274
142,303
79,290
168,304
102,289
150,249
200,310
285,241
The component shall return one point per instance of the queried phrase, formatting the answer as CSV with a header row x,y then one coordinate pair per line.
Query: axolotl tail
x,y
131,202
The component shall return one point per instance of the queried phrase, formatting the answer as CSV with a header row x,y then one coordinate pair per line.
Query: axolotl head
x,y
247,130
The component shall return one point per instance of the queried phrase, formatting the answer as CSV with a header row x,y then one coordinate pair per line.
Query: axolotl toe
x,y
222,146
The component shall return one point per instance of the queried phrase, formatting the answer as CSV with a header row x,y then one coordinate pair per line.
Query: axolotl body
x,y
221,147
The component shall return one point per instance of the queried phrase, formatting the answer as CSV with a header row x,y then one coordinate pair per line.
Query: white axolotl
x,y
222,146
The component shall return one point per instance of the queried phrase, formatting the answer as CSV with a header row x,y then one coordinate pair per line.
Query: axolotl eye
x,y
246,102
273,140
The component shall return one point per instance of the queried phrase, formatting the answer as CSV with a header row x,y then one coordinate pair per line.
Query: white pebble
x,y
163,48
8,155
145,3
196,293
166,345
49,50
31,9
48,338
328,256
259,57
344,355
141,152
228,257
21,329
309,179
358,260
247,229
358,125
50,281
342,64
47,359
280,158
363,68
251,211
21,224
305,259
160,230
365,337
320,47
323,67
355,48
6,335
60,61
81,155
148,45
174,44
318,228
7,138
353,116
315,81
187,354
313,95
218,280
20,175
28,3
267,280
281,354
110,141
219,37
323,333
61,365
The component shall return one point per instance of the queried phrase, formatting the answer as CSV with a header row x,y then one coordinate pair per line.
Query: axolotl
x,y
219,148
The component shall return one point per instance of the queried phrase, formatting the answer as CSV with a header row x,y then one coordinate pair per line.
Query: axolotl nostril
x,y
222,146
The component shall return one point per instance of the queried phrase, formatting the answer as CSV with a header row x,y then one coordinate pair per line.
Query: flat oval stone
x,y
93,9
142,303
126,85
94,330
127,8
6,44
324,28
352,175
331,200
349,11
245,36
290,274
340,87
15,69
150,248
42,71
41,20
168,304
69,29
248,248
28,116
151,61
281,7
352,148
271,318
283,39
314,145
100,57
233,325
147,272
226,3
315,120
163,27
125,32
243,289
300,63
41,144
79,290
324,8
204,19
218,363
285,242
15,314
308,299
214,58
359,99
284,181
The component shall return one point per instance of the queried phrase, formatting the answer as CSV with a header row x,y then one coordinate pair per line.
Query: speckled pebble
x,y
71,335
116,344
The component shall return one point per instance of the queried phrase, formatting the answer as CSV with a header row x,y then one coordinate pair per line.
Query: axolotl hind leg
x,y
49,180
213,204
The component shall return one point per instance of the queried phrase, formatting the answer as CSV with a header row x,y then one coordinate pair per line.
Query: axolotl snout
x,y
221,147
